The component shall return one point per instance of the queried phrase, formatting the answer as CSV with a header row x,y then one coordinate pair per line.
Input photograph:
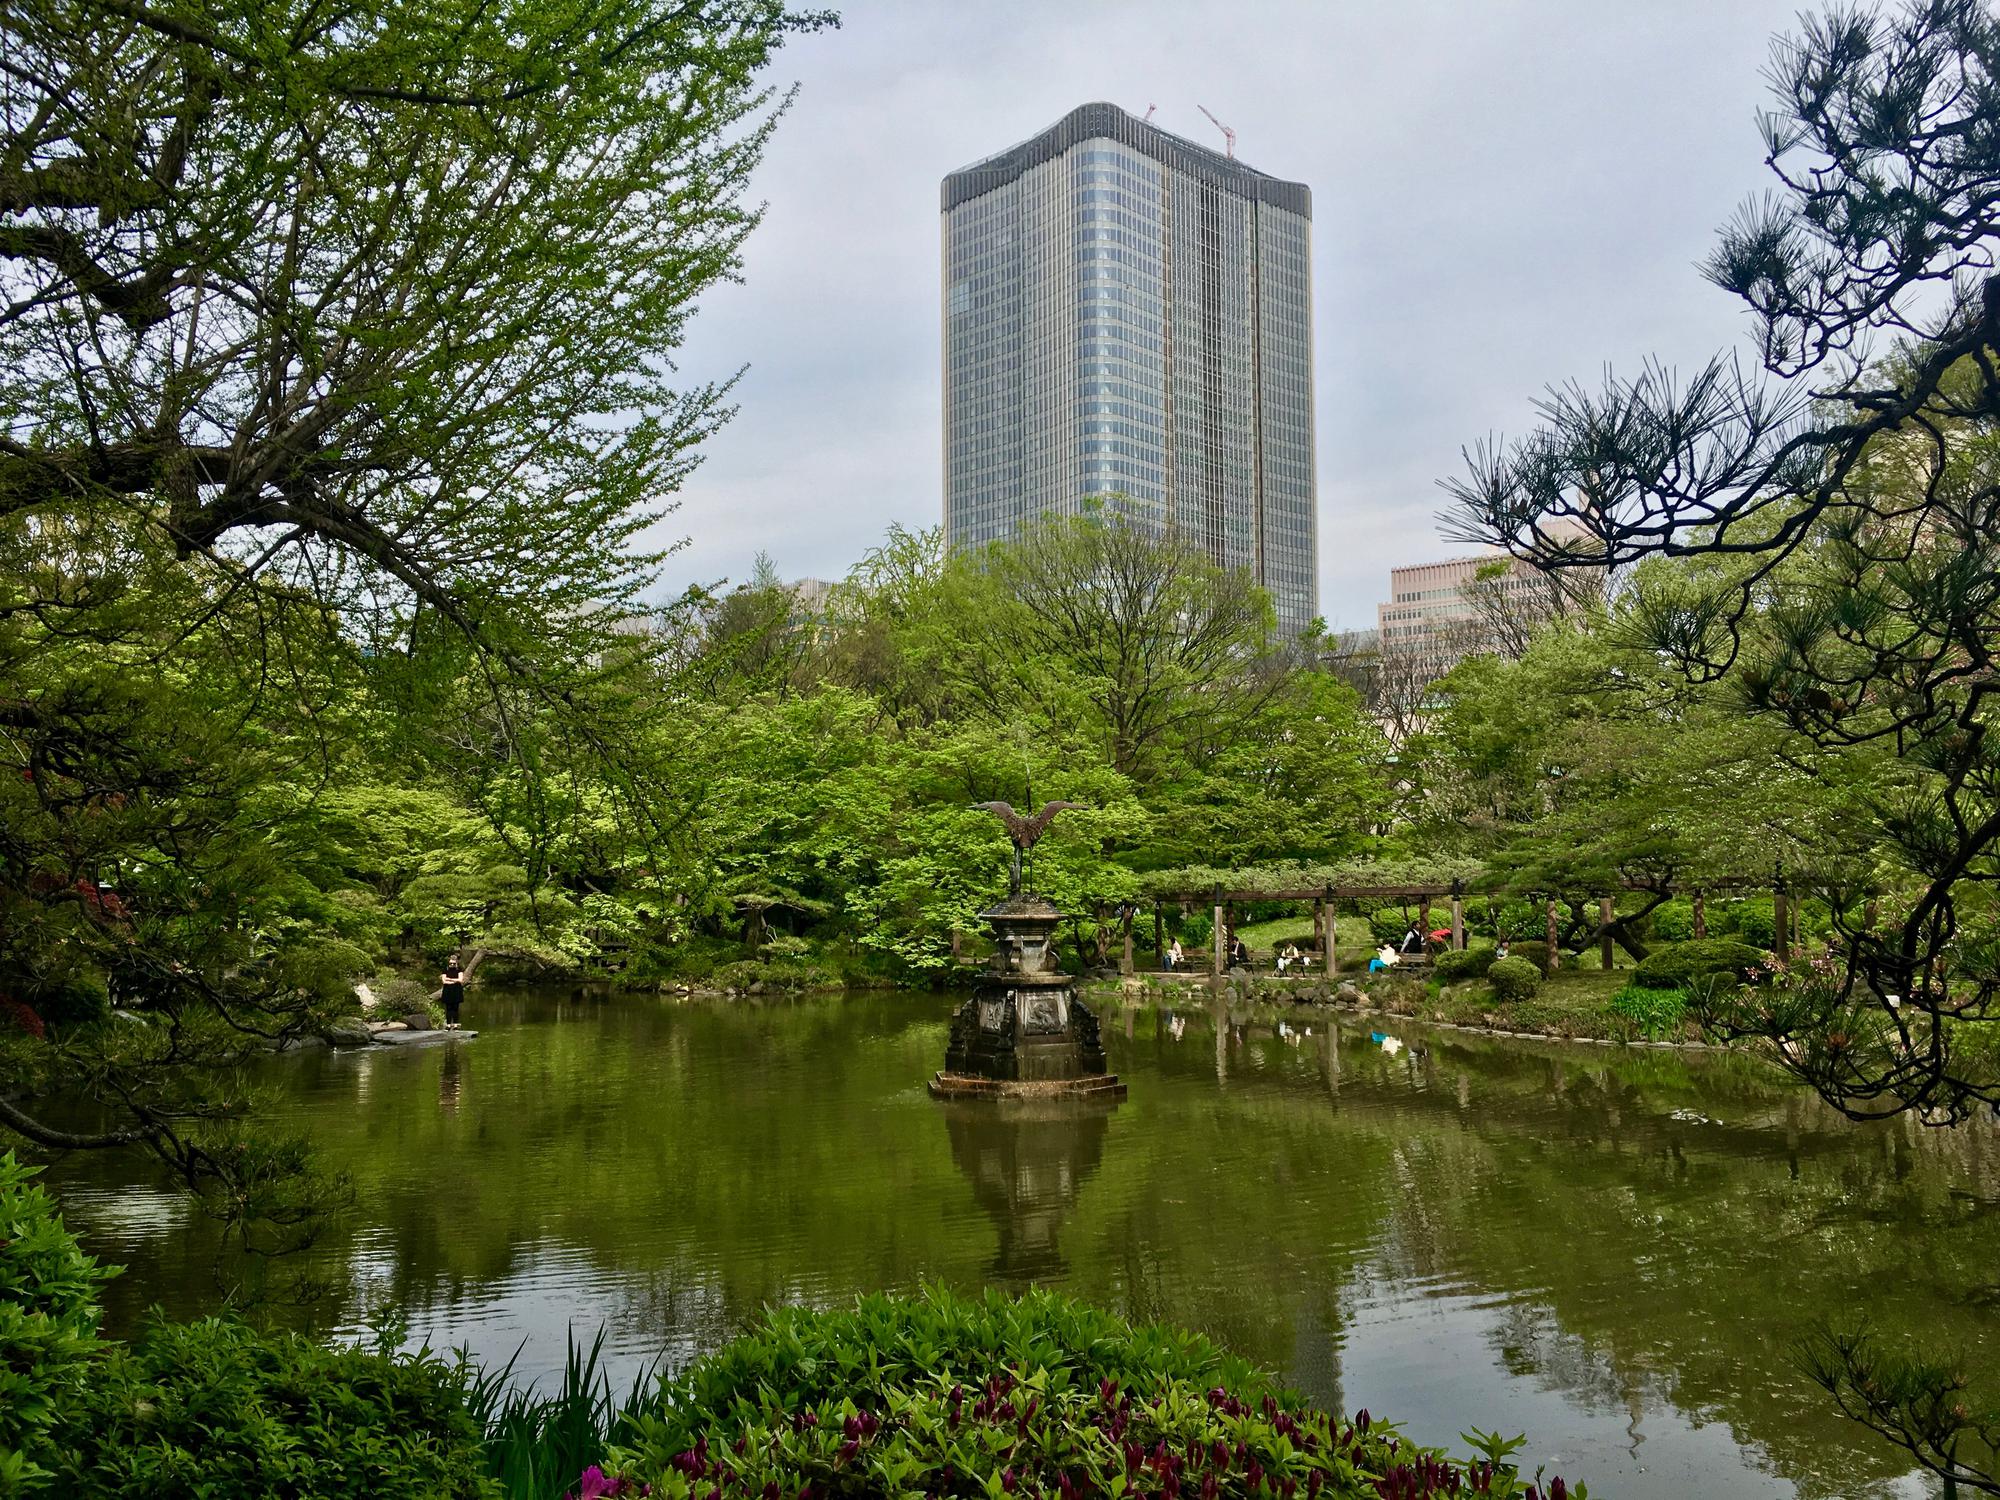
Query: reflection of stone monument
x,y
1024,1031
1026,1162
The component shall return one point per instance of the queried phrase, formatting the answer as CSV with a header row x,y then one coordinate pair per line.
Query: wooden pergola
x,y
1326,898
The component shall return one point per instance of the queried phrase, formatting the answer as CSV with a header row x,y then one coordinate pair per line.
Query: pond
x,y
1608,1250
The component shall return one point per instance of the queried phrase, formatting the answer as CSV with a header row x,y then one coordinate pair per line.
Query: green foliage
x,y
1466,963
1513,978
1533,951
1755,921
535,1445
215,1407
1197,879
1036,1396
1673,921
49,1347
1658,1013
207,1408
1680,964
1195,928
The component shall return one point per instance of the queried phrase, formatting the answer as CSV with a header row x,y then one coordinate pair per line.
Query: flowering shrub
x,y
942,1396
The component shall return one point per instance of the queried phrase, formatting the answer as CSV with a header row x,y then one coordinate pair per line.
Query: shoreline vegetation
x,y
934,1393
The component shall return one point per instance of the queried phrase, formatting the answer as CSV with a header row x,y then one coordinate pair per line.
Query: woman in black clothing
x,y
454,992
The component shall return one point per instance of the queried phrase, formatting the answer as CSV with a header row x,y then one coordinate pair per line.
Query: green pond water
x,y
1607,1249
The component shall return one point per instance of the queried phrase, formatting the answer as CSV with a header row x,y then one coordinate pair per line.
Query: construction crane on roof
x,y
1228,135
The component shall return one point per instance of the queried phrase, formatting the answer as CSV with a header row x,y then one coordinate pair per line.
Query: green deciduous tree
x,y
1862,495
335,395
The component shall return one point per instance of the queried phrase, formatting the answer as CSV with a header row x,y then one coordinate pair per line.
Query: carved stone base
x,y
945,1085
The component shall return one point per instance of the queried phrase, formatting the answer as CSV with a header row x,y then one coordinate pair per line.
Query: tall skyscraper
x,y
1128,312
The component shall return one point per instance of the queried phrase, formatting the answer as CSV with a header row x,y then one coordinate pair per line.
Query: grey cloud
x,y
1504,196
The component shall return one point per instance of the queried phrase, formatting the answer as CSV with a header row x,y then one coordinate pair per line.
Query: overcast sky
x,y
1506,194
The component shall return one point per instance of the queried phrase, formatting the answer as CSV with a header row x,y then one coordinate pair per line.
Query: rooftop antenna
x,y
1149,112
1228,135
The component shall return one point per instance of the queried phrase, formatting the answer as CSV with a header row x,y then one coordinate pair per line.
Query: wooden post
x,y
1319,926
957,955
1159,938
1781,915
1424,925
1125,966
1216,958
1700,912
1605,911
1457,920
1332,932
1555,953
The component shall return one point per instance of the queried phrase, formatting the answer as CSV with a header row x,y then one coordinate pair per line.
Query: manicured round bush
x,y
1679,964
946,1395
1534,951
1514,978
1472,963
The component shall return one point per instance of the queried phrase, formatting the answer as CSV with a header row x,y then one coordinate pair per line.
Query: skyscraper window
x,y
1138,321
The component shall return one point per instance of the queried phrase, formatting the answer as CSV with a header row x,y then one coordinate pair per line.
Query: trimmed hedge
x,y
1535,951
1471,963
940,1394
1514,978
1680,964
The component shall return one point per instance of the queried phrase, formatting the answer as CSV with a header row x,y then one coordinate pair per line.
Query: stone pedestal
x,y
1024,1032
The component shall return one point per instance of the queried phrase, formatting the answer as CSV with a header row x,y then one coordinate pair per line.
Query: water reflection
x,y
1609,1250
1027,1160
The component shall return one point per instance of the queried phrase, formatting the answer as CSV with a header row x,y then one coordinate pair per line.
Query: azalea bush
x,y
941,1395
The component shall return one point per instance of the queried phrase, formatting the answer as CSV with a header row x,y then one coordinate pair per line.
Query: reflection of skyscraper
x,y
1126,311
1027,1163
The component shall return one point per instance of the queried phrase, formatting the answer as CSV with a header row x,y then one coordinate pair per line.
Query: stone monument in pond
x,y
1024,1033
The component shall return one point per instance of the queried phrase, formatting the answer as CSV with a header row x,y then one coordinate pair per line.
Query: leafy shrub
x,y
792,974
1534,951
48,1324
1754,921
1510,919
217,1408
1674,967
1673,922
1514,978
1196,928
1471,963
208,1408
1659,1014
939,1394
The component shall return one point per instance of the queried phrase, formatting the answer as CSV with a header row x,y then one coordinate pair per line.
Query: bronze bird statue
x,y
1023,829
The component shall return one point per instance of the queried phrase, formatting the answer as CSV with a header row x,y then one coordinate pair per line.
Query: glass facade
x,y
1128,313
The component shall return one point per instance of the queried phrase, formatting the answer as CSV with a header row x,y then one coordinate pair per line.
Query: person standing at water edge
x,y
453,993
